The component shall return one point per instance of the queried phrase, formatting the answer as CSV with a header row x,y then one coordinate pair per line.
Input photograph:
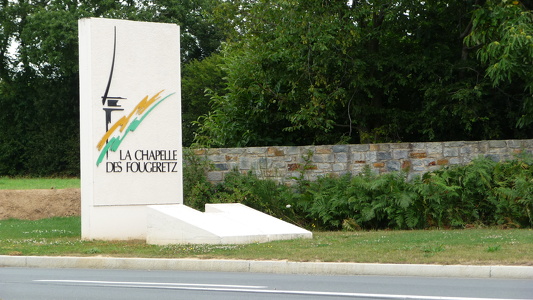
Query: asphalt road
x,y
36,283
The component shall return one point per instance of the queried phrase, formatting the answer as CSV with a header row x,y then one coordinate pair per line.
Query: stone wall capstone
x,y
285,163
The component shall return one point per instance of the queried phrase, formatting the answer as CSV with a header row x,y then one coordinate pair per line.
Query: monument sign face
x,y
130,116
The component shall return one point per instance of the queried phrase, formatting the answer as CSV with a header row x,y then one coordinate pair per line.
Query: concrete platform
x,y
228,223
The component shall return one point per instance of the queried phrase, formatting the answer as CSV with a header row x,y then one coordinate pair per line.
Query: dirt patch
x,y
39,204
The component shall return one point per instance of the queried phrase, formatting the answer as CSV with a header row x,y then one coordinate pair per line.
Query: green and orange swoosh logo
x,y
113,138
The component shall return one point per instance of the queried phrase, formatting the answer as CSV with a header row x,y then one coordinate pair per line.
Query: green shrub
x,y
324,201
197,190
366,200
261,194
264,195
455,196
482,193
512,193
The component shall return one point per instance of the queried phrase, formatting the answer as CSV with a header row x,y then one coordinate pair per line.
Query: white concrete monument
x,y
131,156
130,124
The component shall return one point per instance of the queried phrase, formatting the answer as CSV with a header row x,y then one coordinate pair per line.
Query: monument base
x,y
232,223
114,223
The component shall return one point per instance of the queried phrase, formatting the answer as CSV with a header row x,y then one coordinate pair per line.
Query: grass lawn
x,y
8,183
61,237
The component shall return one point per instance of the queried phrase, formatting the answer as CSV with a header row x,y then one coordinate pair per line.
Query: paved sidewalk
x,y
281,267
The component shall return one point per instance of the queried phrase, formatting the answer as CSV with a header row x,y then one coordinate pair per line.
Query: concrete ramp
x,y
231,223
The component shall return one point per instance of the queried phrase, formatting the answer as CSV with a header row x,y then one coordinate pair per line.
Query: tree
x,y
307,72
39,72
199,77
39,90
502,31
200,37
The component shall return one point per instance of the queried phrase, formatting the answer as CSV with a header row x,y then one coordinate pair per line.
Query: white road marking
x,y
258,289
115,283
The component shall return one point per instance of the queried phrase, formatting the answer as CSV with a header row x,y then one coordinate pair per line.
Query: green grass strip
x,y
8,183
487,246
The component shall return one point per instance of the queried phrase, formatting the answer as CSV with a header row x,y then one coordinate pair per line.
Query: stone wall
x,y
283,164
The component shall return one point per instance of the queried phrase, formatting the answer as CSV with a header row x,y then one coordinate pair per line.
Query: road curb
x,y
280,267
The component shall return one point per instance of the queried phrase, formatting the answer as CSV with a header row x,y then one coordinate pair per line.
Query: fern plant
x,y
512,197
325,201
483,192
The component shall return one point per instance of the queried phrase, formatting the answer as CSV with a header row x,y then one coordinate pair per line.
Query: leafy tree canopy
x,y
39,72
289,72
318,71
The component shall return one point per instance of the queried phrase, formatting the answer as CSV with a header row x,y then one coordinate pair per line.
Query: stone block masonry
x,y
285,164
